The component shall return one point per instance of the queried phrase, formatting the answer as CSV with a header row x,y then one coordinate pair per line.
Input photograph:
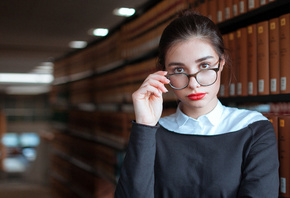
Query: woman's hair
x,y
187,25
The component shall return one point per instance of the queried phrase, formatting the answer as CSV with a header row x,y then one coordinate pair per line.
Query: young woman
x,y
204,150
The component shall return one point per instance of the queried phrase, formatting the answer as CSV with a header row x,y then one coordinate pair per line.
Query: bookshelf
x,y
91,94
2,132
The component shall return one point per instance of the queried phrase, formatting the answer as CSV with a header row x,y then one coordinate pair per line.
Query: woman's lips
x,y
196,96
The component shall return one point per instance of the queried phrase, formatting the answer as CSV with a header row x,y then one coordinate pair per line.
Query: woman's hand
x,y
147,100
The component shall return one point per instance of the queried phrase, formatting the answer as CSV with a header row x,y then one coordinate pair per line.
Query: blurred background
x,y
34,34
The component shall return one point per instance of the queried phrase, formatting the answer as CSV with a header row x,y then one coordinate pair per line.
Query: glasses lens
x,y
178,81
206,77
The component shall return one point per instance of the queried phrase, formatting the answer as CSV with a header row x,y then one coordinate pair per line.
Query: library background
x,y
89,105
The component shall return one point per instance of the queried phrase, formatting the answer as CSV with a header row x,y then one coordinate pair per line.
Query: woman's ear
x,y
222,63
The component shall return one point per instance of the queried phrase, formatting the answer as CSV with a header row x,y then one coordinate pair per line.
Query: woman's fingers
x,y
148,90
157,80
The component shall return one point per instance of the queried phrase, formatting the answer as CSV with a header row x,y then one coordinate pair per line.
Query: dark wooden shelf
x,y
266,12
259,98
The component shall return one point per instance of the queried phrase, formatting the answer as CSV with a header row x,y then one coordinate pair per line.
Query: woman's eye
x,y
178,70
204,66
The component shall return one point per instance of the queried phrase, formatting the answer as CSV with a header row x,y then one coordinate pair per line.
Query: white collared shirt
x,y
220,120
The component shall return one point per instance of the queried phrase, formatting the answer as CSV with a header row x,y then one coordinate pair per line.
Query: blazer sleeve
x,y
260,171
137,173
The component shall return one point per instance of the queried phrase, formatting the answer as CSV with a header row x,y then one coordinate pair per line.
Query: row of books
x,y
134,38
281,124
81,91
260,59
101,158
160,13
280,108
140,45
2,132
112,126
70,180
86,62
113,87
222,10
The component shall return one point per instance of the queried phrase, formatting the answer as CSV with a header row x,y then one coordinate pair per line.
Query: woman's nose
x,y
193,84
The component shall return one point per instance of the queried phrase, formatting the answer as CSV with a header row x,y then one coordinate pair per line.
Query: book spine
x,y
284,53
243,6
253,4
232,45
202,7
228,10
263,2
221,11
225,75
263,58
212,10
252,60
274,60
2,146
284,153
235,8
242,61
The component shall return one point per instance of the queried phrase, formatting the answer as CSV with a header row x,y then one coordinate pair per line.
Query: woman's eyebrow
x,y
203,59
197,61
175,64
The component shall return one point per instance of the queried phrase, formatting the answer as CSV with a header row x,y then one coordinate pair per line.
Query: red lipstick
x,y
196,96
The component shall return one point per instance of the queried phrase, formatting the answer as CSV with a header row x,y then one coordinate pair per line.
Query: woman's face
x,y
189,57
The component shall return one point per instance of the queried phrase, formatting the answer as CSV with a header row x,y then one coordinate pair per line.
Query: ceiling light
x,y
126,12
25,78
100,32
47,64
78,44
44,68
27,90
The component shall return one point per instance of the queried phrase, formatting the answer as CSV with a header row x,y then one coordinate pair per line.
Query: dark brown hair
x,y
185,26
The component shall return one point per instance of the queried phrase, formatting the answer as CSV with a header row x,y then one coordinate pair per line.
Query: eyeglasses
x,y
205,77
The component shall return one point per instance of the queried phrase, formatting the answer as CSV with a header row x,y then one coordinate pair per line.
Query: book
x,y
228,10
253,4
274,56
232,45
202,7
263,2
263,58
212,10
221,11
2,146
284,153
225,75
243,6
242,62
252,60
235,8
284,53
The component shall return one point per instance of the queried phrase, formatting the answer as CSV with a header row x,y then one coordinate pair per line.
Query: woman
x,y
205,149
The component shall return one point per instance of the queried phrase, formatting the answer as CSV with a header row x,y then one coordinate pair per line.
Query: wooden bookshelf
x,y
2,146
91,94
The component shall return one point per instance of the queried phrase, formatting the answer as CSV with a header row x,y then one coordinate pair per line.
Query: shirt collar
x,y
211,117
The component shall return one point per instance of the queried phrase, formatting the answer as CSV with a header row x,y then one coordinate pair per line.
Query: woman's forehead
x,y
194,47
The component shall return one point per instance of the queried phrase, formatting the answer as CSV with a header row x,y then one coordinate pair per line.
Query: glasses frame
x,y
194,75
